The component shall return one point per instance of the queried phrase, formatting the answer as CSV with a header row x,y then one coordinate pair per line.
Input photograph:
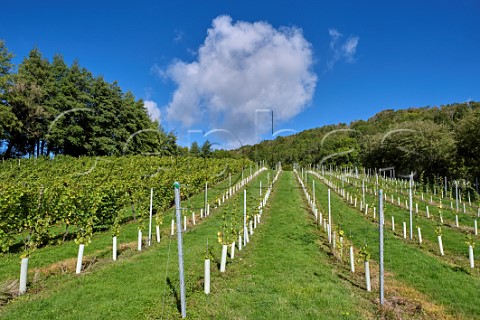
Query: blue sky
x,y
312,62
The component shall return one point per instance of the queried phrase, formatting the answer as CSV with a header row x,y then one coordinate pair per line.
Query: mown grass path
x,y
283,274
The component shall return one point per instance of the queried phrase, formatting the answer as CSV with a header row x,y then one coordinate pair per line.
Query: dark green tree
x,y
8,120
206,149
467,135
73,102
195,149
27,98
6,70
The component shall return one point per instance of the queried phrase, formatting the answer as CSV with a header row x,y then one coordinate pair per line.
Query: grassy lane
x,y
447,286
283,274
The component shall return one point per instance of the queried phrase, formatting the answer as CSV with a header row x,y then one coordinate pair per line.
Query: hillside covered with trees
x,y
48,107
435,141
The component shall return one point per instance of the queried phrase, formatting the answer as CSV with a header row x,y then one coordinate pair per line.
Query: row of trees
x,y
438,141
48,107
206,150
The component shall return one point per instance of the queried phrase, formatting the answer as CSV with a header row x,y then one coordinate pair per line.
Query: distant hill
x,y
431,141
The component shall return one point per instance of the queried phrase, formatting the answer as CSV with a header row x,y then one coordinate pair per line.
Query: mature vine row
x,y
43,200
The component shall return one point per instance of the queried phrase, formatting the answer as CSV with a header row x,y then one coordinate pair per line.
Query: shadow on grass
x,y
174,291
352,282
53,239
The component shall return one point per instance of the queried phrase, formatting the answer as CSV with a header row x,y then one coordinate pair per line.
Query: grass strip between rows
x,y
283,274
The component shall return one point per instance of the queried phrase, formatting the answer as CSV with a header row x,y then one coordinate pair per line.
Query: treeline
x,y
48,107
431,141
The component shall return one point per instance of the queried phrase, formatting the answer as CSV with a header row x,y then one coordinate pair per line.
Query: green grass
x,y
446,285
135,286
456,250
281,274
102,241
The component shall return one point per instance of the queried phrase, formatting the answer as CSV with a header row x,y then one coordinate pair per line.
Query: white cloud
x,y
341,50
148,93
349,48
152,109
178,36
242,67
335,35
156,69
